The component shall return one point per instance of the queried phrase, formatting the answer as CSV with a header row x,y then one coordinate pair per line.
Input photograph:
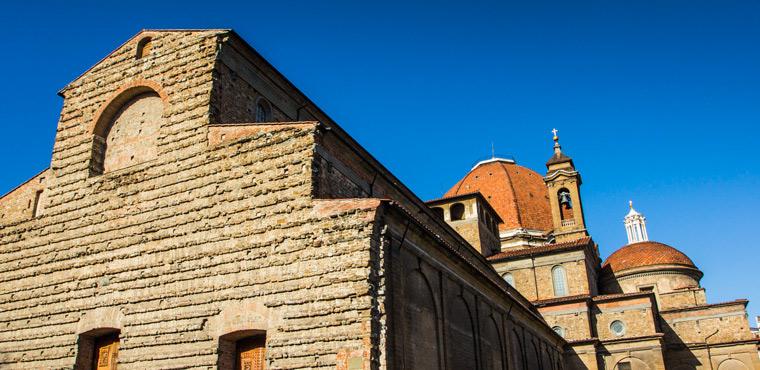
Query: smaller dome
x,y
644,254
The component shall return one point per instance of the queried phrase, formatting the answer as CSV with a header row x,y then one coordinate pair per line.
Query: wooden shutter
x,y
251,353
106,352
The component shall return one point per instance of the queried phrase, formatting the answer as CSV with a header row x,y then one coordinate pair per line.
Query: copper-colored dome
x,y
517,194
645,254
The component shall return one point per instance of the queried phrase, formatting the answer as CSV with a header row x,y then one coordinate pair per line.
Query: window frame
x,y
615,332
558,271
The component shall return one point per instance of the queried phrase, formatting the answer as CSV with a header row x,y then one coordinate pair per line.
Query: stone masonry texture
x,y
220,226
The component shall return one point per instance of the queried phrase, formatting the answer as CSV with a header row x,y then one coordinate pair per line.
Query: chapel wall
x,y
533,275
664,280
574,318
636,314
743,356
682,299
446,313
723,323
175,247
26,200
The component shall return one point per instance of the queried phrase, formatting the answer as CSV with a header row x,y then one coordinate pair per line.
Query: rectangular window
x,y
37,210
106,352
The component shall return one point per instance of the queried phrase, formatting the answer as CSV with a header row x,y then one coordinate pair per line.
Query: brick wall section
x,y
533,275
635,313
181,63
682,299
574,318
723,323
18,204
234,99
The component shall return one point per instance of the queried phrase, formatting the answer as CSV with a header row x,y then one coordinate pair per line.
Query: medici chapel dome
x,y
645,254
516,193
642,263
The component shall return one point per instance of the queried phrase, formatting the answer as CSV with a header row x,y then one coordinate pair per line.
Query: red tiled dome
x,y
644,254
516,193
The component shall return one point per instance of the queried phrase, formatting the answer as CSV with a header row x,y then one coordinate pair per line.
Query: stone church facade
x,y
641,308
200,212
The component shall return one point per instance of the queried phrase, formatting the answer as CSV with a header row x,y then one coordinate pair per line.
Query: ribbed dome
x,y
518,194
645,254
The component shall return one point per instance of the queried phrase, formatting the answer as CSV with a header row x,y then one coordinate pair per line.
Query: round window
x,y
617,327
559,330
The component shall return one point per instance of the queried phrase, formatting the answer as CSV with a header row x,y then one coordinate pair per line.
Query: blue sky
x,y
657,101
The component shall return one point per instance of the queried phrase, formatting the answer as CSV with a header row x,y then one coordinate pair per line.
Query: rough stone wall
x,y
175,245
173,248
180,63
132,136
18,205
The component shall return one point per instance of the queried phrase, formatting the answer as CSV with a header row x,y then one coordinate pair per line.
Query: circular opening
x,y
617,327
559,330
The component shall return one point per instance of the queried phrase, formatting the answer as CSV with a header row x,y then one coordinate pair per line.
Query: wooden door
x,y
106,352
251,353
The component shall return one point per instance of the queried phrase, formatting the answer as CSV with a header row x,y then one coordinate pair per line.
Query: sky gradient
x,y
655,101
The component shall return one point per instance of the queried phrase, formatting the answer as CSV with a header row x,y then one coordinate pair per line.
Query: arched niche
x,y
98,334
631,363
240,325
732,364
126,129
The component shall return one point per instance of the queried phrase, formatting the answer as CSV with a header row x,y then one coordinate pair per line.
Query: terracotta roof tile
x,y
578,243
518,194
645,254
569,298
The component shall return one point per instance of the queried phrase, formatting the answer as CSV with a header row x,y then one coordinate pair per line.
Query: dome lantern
x,y
635,225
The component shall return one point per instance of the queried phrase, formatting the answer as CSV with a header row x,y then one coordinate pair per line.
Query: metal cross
x,y
554,131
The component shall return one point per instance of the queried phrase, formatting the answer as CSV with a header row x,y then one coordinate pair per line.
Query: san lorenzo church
x,y
200,212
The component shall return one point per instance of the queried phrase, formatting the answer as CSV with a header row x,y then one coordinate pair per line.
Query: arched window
x,y
438,211
565,204
457,211
509,279
143,47
559,282
263,111
127,131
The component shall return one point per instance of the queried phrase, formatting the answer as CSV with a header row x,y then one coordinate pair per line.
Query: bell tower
x,y
563,184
